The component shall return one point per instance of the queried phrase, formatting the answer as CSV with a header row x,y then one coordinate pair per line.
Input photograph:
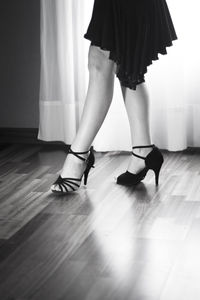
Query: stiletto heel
x,y
157,171
86,176
74,183
153,161
90,165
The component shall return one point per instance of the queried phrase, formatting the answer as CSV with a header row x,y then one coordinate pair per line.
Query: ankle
x,y
79,148
142,151
79,151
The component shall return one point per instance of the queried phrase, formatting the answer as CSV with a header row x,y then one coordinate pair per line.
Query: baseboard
x,y
29,136
22,135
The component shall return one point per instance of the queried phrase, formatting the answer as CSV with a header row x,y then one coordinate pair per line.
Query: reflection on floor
x,y
104,241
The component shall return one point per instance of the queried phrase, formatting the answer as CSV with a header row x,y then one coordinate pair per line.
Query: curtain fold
x,y
172,81
63,84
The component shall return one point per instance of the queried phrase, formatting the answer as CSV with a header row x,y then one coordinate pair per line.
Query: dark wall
x,y
19,63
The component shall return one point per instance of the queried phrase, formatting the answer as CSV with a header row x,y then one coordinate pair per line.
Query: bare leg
x,y
98,100
137,107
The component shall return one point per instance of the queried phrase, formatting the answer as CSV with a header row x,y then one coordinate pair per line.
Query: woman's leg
x,y
137,108
98,99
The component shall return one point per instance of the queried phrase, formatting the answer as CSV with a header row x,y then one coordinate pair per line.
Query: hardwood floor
x,y
104,241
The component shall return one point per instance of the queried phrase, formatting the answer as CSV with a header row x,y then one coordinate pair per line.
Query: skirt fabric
x,y
134,31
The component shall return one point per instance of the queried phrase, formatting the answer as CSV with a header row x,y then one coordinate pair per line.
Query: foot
x,y
136,164
73,167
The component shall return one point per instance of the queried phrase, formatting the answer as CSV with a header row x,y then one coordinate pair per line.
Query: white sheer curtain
x,y
173,81
63,68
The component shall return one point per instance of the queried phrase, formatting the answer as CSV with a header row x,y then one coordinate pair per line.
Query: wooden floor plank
x,y
104,241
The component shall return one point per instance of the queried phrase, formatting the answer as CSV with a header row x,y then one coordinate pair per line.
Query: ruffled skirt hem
x,y
134,32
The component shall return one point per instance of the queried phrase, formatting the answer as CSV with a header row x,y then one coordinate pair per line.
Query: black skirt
x,y
134,31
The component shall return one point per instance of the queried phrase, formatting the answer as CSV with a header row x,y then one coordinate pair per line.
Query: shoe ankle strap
x,y
146,146
77,153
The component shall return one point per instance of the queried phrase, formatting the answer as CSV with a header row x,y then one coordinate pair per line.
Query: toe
x,y
55,187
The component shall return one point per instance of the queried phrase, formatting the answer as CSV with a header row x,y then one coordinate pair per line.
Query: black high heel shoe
x,y
153,161
63,183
